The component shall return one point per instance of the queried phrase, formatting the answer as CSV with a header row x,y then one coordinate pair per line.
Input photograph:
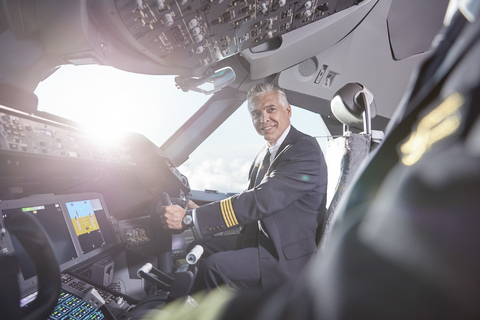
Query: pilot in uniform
x,y
405,244
279,212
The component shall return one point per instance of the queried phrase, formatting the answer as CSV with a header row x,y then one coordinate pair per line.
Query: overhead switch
x,y
160,4
168,20
264,8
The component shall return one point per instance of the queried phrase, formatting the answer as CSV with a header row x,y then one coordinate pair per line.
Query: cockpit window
x,y
110,101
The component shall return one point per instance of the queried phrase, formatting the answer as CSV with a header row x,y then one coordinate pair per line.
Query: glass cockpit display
x,y
90,224
52,220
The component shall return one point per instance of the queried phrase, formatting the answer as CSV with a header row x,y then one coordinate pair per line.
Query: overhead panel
x,y
195,34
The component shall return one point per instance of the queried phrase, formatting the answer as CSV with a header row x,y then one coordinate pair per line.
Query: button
x,y
13,146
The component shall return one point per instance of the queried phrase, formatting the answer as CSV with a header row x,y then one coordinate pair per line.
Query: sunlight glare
x,y
109,101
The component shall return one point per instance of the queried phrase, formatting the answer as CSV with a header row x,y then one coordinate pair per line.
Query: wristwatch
x,y
188,219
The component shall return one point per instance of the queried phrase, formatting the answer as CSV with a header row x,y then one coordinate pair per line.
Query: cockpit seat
x,y
352,105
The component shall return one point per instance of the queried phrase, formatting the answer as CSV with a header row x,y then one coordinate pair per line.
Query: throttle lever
x,y
165,198
166,201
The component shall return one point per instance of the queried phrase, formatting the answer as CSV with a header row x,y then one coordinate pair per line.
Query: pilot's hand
x,y
173,216
192,205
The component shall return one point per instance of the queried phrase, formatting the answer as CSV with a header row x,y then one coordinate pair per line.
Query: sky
x,y
110,101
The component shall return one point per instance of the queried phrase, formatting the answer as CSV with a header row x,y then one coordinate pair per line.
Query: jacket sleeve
x,y
295,173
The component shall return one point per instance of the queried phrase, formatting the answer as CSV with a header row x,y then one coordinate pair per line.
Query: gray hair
x,y
262,88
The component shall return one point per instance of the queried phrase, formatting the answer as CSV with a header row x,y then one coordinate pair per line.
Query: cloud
x,y
222,174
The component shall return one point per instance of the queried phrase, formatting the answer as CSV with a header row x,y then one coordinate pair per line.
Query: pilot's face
x,y
269,118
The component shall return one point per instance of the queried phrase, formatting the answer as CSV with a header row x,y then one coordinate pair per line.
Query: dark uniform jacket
x,y
287,202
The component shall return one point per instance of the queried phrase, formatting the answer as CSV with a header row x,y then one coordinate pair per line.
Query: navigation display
x,y
90,224
52,219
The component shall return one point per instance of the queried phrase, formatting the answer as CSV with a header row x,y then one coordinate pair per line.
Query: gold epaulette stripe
x,y
228,213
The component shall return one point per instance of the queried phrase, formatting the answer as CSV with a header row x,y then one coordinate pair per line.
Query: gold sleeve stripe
x,y
222,208
228,213
232,213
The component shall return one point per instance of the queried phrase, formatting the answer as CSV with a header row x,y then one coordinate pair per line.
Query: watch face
x,y
187,219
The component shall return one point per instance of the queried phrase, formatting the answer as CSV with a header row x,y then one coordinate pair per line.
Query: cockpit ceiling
x,y
196,34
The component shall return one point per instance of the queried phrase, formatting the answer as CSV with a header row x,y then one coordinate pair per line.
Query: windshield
x,y
110,101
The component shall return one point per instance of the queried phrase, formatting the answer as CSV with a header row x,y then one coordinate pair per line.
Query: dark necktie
x,y
264,168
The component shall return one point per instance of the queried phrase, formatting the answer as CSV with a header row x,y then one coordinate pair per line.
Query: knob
x,y
308,4
307,13
281,3
269,35
199,50
198,38
193,23
196,31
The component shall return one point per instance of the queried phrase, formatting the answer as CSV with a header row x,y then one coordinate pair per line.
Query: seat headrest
x,y
348,105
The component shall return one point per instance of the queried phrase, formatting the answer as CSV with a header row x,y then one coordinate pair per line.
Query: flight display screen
x,y
52,219
90,223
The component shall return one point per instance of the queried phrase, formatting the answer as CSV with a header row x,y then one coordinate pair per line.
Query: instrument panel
x,y
34,137
195,34
41,155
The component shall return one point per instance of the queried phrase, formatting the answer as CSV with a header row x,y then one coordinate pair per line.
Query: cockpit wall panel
x,y
363,56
